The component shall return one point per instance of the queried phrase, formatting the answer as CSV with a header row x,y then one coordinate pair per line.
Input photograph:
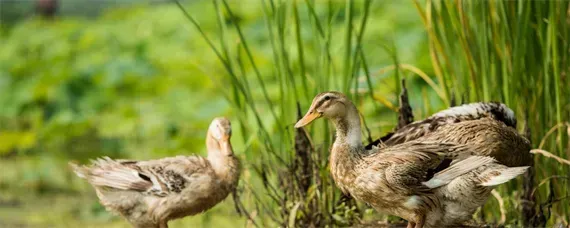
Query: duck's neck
x,y
222,159
348,132
347,149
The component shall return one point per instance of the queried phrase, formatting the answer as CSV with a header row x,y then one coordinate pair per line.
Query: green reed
x,y
515,52
296,76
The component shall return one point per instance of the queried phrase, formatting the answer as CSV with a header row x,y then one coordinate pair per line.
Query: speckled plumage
x,y
388,178
150,193
494,111
487,137
421,178
489,127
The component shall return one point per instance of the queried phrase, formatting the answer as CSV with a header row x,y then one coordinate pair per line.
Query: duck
x,y
412,179
151,193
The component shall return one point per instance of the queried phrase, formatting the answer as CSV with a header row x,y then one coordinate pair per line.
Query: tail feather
x,y
505,176
118,178
109,173
456,170
80,171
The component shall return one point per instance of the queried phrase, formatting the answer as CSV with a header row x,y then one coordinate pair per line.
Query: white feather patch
x,y
466,109
506,175
412,202
477,109
447,175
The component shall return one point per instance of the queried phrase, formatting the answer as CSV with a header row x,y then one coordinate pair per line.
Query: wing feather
x,y
409,164
474,111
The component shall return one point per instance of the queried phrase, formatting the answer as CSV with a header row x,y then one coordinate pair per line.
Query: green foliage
x,y
112,82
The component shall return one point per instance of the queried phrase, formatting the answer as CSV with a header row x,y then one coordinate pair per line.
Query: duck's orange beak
x,y
308,118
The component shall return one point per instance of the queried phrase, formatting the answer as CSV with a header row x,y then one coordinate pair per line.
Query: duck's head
x,y
219,134
220,129
331,105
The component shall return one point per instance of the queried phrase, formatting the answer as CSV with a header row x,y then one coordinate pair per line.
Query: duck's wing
x,y
474,111
488,138
458,169
156,177
400,171
409,165
432,165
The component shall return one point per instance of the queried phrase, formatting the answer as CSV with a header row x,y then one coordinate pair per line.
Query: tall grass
x,y
287,197
514,52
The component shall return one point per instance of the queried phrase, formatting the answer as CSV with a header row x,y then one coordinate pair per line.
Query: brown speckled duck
x,y
418,180
150,193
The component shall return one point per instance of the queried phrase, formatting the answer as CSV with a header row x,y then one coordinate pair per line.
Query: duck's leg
x,y
411,224
163,224
420,221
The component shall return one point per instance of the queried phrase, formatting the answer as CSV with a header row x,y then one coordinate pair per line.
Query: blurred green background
x,y
135,79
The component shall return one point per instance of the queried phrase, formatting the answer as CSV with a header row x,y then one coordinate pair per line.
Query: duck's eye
x,y
327,98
